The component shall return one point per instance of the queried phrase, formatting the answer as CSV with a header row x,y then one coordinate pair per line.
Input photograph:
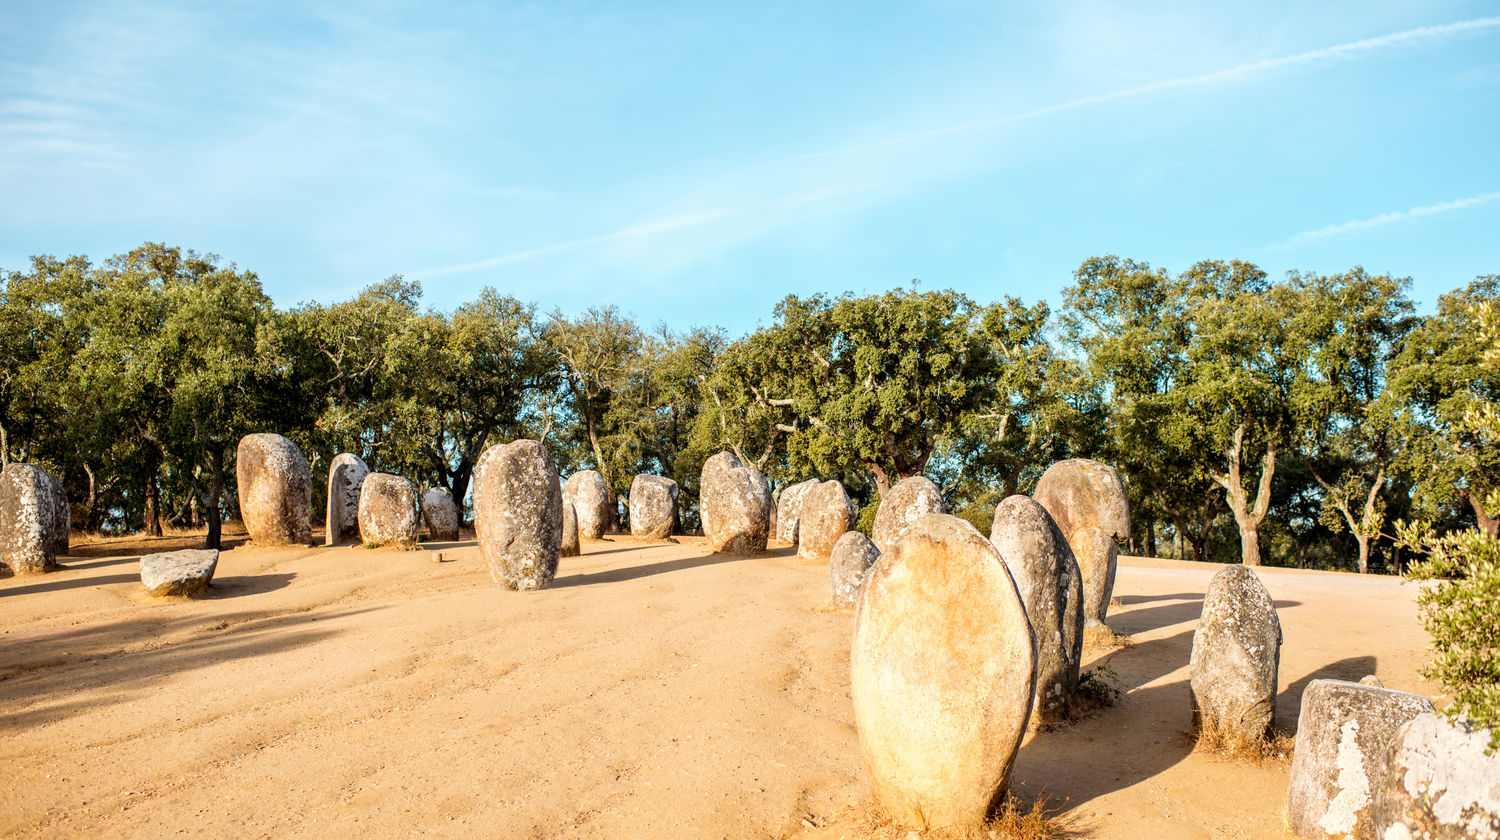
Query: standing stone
x,y
653,507
789,510
441,514
1343,735
1087,501
941,672
735,504
1236,651
345,476
569,546
275,486
388,511
909,500
62,516
518,514
27,542
185,572
826,515
1048,581
1439,783
592,503
848,564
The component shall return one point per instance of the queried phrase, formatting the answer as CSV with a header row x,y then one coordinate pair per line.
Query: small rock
x,y
1371,679
185,572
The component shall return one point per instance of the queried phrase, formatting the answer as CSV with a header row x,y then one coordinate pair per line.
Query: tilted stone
x,y
1087,501
569,547
735,504
848,564
345,476
941,671
653,507
1438,783
789,510
440,513
388,511
592,503
910,499
518,514
185,572
1236,651
826,515
275,490
27,514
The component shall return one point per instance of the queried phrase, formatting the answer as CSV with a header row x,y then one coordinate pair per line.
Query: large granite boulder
x,y
185,572
440,513
1047,579
789,510
1087,501
1236,651
653,507
1344,732
909,500
27,520
848,564
388,511
592,503
735,504
941,673
1438,782
345,477
518,514
825,515
275,489
569,547
62,516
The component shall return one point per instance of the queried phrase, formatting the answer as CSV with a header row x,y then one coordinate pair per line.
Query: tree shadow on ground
x,y
59,581
625,573
1154,618
1129,600
1289,701
447,545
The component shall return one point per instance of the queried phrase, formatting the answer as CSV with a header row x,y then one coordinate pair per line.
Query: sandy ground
x,y
655,690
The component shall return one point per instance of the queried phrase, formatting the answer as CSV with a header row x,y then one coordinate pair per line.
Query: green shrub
x,y
981,516
866,522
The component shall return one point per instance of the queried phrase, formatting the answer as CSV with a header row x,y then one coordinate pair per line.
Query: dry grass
x,y
1012,822
1100,637
1234,745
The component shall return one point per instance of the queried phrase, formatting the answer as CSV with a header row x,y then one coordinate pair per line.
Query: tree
x,y
597,351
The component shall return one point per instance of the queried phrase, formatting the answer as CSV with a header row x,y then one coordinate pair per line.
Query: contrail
x,y
1387,218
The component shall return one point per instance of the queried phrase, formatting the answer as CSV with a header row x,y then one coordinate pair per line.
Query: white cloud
x,y
1388,218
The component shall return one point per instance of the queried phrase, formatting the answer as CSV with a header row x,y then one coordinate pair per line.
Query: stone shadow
x,y
625,573
1289,701
1166,615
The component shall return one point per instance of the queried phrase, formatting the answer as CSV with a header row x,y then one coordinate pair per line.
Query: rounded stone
x,y
826,515
345,476
910,499
388,511
1087,501
275,490
185,572
1343,732
569,547
653,507
1048,581
440,513
518,514
592,503
735,504
789,510
1439,782
1236,652
27,516
848,564
941,672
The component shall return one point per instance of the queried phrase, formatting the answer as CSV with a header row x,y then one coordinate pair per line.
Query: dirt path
x,y
654,691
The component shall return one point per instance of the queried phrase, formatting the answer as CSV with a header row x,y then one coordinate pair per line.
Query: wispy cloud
x,y
1388,218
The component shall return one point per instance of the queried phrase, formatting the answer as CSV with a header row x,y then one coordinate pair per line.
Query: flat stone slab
x,y
185,572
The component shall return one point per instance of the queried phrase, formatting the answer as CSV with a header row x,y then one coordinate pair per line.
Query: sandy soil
x,y
655,690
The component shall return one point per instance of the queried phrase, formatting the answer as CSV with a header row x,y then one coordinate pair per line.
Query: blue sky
x,y
693,163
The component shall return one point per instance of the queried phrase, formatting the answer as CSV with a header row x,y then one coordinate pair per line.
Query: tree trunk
x,y
153,499
211,504
1488,524
882,481
1248,518
594,444
1151,537
1249,544
1364,553
88,513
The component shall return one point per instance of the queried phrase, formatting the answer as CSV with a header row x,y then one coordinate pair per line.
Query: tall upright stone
x,y
27,514
1236,651
653,507
570,546
941,675
592,503
345,477
518,514
440,513
789,510
275,490
1048,581
848,566
735,505
1087,501
388,511
910,499
826,514
1343,734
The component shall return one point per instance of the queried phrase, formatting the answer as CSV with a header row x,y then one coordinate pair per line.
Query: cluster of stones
x,y
1087,501
34,519
653,507
735,505
592,504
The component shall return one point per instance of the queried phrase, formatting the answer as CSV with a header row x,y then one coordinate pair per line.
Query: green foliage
x,y
981,516
865,523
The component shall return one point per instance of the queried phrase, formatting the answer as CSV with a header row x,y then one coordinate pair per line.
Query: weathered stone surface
x,y
1236,651
941,673
185,572
653,507
62,516
735,503
592,503
388,511
849,562
275,488
1437,783
826,514
1087,501
789,510
1343,733
518,514
27,543
569,547
440,513
345,476
910,499
1047,579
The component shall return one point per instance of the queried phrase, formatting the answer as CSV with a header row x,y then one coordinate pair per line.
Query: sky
x,y
694,163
